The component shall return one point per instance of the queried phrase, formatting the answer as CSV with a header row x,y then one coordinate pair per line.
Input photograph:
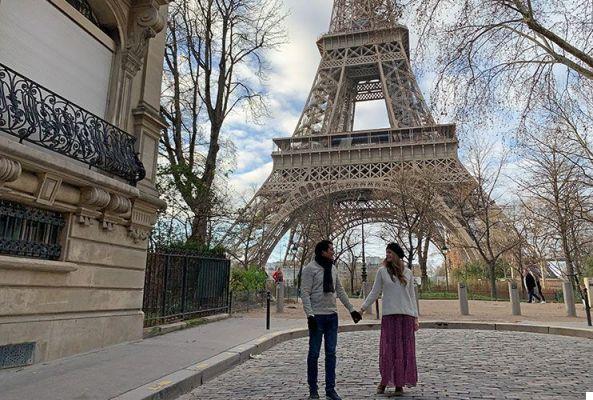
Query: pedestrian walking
x,y
539,288
397,347
530,285
320,285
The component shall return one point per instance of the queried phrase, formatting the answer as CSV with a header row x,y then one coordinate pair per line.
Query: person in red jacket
x,y
278,275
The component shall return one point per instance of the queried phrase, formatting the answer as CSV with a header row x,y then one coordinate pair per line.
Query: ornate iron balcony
x,y
34,113
83,7
29,232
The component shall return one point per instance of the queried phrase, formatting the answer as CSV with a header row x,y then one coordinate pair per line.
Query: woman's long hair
x,y
396,269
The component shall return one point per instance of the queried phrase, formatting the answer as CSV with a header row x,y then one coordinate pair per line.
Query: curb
x,y
177,326
183,381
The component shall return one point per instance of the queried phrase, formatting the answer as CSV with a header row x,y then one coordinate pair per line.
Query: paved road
x,y
452,364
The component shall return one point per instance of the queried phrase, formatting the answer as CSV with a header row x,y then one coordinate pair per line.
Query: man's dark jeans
x,y
327,328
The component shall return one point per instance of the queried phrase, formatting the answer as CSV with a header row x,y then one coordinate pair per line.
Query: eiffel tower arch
x,y
364,56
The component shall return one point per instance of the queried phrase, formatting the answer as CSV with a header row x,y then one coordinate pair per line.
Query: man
x,y
320,285
530,284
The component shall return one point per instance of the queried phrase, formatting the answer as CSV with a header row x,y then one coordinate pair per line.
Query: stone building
x,y
80,88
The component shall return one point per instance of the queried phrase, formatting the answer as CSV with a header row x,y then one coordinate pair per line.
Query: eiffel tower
x,y
365,56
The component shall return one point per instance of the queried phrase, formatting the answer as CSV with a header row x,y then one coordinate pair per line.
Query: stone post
x,y
514,297
589,287
569,299
366,289
417,298
280,297
463,303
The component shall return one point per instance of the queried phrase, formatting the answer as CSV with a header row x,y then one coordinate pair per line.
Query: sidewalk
x,y
113,371
109,372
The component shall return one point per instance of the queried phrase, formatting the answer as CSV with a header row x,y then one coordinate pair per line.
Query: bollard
x,y
417,298
463,304
589,288
377,308
514,297
268,299
366,289
571,310
280,297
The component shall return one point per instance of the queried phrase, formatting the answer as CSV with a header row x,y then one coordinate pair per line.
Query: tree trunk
x,y
199,226
492,267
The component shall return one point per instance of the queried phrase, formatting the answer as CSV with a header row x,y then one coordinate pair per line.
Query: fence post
x,y
571,310
165,273
514,296
184,285
462,293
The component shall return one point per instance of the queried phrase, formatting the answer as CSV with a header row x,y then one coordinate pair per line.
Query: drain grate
x,y
17,355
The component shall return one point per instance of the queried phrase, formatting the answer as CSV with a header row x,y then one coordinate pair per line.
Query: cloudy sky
x,y
293,68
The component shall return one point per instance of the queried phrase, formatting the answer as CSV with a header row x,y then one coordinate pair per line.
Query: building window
x,y
85,9
29,232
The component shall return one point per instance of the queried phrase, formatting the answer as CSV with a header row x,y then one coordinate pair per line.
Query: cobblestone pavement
x,y
452,364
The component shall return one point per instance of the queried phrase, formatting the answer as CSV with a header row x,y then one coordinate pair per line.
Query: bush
x,y
252,279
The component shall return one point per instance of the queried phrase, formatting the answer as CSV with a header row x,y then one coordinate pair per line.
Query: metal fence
x,y
183,285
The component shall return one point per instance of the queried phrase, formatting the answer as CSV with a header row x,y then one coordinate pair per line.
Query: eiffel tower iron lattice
x,y
365,56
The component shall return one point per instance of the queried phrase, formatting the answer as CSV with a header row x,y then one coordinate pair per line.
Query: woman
x,y
397,351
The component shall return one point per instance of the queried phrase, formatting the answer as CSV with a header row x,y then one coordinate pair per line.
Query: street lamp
x,y
445,250
364,264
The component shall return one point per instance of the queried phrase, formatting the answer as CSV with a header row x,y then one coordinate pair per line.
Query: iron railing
x,y
34,113
29,232
83,7
182,285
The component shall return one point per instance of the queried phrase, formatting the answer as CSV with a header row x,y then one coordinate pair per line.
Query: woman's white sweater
x,y
397,298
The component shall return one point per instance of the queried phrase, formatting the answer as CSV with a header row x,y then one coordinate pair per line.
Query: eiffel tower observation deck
x,y
364,57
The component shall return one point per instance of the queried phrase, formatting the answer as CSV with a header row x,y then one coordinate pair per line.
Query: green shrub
x,y
252,279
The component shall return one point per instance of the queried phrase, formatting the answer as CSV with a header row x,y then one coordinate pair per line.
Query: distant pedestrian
x,y
320,286
531,285
278,275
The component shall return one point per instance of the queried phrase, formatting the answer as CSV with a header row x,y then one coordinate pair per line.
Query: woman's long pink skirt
x,y
397,351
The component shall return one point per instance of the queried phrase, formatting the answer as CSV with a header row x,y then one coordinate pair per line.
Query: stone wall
x,y
92,296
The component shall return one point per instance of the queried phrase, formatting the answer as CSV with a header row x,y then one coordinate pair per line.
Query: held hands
x,y
311,323
416,325
356,317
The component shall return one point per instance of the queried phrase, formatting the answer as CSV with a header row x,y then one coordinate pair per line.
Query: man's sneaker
x,y
313,394
398,391
332,395
381,389
543,302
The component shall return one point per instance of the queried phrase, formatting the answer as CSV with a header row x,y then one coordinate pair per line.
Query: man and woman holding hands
x,y
321,286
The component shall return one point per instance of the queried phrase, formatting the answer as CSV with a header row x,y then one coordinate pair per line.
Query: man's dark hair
x,y
322,246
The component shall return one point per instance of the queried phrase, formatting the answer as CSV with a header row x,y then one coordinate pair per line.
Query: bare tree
x,y
214,64
554,193
487,226
415,214
498,53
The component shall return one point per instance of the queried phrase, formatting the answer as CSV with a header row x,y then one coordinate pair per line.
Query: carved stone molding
x,y
138,234
147,22
94,197
141,222
50,185
119,204
10,170
87,216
